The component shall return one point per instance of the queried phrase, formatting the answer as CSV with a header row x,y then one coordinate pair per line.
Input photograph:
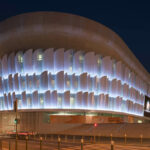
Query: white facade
x,y
69,79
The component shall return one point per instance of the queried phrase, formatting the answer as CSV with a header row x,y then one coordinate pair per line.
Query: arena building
x,y
67,69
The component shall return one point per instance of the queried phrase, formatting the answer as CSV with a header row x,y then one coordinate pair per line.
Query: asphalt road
x,y
53,145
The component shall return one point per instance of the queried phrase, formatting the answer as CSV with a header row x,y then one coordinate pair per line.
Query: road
x,y
34,145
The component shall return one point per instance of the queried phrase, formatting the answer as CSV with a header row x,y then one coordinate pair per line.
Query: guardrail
x,y
61,140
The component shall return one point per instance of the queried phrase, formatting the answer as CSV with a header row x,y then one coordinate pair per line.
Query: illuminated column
x,y
29,83
10,105
106,85
66,102
106,101
1,87
91,101
122,72
67,82
16,83
79,100
60,81
106,66
95,85
0,68
43,81
54,99
35,100
78,59
24,100
37,61
11,64
48,60
115,102
19,63
110,103
5,102
89,83
127,75
113,87
88,63
98,107
59,60
74,83
68,61
98,65
102,102
28,63
4,67
85,100
47,100
83,82
119,88
10,83
118,70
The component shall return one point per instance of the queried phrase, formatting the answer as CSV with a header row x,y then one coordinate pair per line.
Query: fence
x,y
40,142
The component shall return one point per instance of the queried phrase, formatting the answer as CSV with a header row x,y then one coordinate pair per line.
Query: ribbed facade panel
x,y
69,79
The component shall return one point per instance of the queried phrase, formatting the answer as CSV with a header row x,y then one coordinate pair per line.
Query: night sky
x,y
128,18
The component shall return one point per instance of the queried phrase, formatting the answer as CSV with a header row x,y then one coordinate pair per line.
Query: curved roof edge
x,y
55,29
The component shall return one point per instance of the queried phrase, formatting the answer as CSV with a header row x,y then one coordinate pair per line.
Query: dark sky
x,y
129,18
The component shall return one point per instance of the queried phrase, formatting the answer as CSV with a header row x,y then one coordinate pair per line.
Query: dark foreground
x,y
73,143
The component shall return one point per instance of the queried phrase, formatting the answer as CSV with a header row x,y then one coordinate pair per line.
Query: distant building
x,y
64,68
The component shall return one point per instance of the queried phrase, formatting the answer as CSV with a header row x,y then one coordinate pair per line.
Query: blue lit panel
x,y
59,79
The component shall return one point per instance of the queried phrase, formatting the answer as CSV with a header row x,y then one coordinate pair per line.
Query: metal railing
x,y
60,141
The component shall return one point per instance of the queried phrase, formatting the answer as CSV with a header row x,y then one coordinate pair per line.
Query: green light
x,y
16,121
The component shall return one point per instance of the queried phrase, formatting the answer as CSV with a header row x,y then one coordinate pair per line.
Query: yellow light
x,y
70,68
68,83
40,57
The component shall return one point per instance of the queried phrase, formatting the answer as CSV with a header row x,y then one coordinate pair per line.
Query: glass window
x,y
53,82
99,62
29,101
72,101
59,100
19,103
68,83
71,61
1,104
76,83
114,68
20,58
41,98
39,57
5,85
22,83
30,84
70,68
81,59
37,82
20,62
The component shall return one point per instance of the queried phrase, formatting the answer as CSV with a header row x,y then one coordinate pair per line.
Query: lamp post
x,y
9,144
16,122
59,143
41,143
141,138
111,137
26,142
112,145
125,138
82,143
